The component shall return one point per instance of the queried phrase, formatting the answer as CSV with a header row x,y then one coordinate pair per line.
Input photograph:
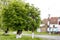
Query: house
x,y
42,28
53,21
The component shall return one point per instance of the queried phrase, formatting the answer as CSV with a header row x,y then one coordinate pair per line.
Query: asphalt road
x,y
45,36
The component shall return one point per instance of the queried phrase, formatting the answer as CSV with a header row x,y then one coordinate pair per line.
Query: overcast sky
x,y
51,7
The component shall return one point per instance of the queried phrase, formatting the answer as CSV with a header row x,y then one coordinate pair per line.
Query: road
x,y
45,36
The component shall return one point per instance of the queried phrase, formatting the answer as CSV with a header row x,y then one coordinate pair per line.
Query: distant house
x,y
44,21
53,21
43,28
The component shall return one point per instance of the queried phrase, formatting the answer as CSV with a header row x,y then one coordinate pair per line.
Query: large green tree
x,y
19,15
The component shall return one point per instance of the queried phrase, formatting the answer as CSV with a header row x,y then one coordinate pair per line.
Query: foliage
x,y
12,37
20,15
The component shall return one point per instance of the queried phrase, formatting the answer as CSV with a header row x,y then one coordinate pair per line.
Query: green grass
x,y
41,33
29,32
12,37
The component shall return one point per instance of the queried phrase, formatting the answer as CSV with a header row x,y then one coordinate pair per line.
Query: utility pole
x,y
48,19
49,24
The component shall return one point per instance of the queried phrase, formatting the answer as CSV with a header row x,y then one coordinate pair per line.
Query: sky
x,y
46,7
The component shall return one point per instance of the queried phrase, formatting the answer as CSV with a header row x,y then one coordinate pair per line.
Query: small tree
x,y
21,15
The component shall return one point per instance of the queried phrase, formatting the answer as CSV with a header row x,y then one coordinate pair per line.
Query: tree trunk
x,y
33,32
6,31
19,34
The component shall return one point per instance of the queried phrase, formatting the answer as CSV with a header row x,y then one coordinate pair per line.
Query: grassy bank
x,y
12,37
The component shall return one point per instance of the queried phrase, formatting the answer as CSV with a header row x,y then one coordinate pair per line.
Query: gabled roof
x,y
53,20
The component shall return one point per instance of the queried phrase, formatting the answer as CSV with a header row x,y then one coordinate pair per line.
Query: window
x,y
59,22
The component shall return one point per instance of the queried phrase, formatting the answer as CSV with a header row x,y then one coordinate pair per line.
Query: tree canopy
x,y
20,15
